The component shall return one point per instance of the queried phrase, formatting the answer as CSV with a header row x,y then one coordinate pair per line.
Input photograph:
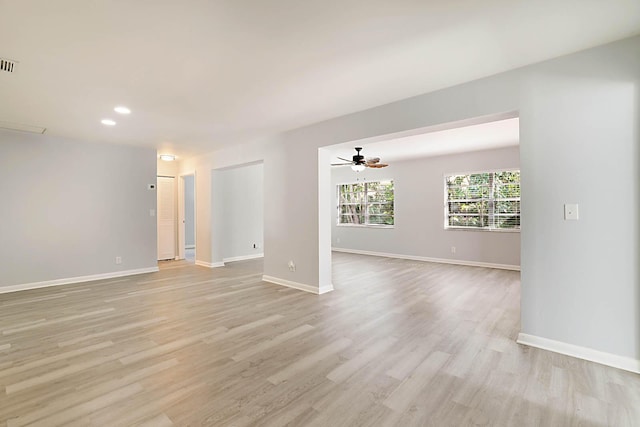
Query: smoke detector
x,y
7,65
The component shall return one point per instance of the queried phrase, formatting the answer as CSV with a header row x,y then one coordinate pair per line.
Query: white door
x,y
166,218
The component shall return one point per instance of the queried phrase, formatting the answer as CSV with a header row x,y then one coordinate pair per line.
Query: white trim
x,y
180,230
242,257
79,279
608,359
296,285
325,289
384,226
181,213
428,259
482,230
209,264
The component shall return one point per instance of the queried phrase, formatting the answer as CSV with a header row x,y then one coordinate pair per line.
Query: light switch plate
x,y
571,212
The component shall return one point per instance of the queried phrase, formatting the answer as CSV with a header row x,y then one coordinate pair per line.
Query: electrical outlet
x,y
292,266
453,249
570,212
118,260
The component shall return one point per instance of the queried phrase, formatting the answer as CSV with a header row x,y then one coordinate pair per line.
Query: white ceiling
x,y
200,74
484,136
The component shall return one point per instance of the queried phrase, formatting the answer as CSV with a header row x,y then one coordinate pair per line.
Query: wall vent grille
x,y
7,65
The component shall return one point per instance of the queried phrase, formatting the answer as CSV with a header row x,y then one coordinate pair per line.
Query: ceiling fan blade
x,y
341,164
376,165
346,160
373,160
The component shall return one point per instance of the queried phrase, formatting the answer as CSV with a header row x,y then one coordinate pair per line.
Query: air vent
x,y
7,65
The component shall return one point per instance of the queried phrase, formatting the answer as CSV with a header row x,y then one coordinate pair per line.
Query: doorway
x,y
237,213
187,215
166,218
432,220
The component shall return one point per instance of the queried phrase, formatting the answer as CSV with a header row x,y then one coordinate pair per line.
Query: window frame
x,y
490,200
365,205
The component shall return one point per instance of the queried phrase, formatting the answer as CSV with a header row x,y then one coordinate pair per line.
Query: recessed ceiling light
x,y
108,122
167,157
122,110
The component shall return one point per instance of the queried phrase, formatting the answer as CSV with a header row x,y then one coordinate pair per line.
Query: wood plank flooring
x,y
398,343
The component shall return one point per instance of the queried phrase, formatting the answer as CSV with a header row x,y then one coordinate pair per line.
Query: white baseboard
x,y
242,257
428,259
608,359
209,264
296,285
326,288
79,279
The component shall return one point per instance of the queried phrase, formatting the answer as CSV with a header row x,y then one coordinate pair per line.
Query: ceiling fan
x,y
359,163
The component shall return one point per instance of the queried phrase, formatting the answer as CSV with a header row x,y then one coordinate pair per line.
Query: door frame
x,y
175,219
181,219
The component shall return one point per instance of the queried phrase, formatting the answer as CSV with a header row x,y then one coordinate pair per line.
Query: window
x,y
487,201
366,203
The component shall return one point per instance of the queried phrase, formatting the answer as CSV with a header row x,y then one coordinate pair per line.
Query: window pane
x,y
374,198
380,220
508,222
352,188
504,207
352,219
468,221
381,209
480,207
352,197
350,209
506,191
507,177
474,186
488,200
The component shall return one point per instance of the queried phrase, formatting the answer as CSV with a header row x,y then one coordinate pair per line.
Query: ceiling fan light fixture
x,y
357,167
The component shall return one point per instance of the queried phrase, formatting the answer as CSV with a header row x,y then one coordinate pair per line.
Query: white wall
x,y
241,198
580,120
165,168
189,211
208,250
579,131
69,208
419,213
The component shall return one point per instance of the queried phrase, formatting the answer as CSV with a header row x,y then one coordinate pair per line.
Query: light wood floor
x,y
397,343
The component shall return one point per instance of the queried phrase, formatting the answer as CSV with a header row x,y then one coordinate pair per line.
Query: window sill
x,y
484,230
364,226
